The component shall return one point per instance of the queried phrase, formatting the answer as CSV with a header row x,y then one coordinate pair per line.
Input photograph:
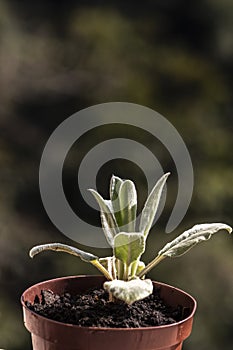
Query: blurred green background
x,y
57,58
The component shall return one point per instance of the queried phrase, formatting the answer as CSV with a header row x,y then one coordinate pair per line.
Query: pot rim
x,y
93,328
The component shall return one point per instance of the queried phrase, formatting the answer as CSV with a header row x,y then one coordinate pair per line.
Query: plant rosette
x,y
124,279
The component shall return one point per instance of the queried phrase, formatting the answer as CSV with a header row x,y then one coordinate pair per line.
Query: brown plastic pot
x,y
52,335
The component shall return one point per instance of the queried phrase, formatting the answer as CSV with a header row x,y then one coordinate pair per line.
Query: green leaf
x,y
190,238
151,206
128,247
114,187
129,291
108,220
140,267
128,205
114,197
63,248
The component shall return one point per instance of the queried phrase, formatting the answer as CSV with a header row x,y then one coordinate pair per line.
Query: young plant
x,y
124,270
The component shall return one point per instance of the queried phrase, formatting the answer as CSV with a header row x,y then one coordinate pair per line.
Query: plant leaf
x,y
114,187
128,205
63,248
190,238
108,220
109,264
114,197
128,247
151,206
129,291
140,267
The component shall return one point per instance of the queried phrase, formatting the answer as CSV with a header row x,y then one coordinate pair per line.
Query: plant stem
x,y
126,272
152,264
114,270
134,268
120,270
102,269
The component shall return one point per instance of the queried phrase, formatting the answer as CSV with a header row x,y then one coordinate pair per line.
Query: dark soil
x,y
94,309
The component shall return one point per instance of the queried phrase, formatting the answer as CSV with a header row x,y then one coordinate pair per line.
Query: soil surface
x,y
94,309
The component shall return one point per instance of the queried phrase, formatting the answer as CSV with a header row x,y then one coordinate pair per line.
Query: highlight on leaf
x,y
108,219
62,248
198,233
151,206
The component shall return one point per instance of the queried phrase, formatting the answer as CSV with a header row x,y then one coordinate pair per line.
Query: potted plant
x,y
73,313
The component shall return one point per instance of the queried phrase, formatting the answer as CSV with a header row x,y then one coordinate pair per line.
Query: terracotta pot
x,y
52,335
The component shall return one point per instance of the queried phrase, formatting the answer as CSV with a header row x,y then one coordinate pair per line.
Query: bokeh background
x,y
58,57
